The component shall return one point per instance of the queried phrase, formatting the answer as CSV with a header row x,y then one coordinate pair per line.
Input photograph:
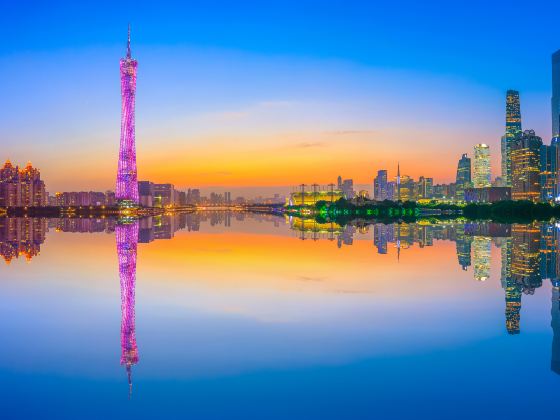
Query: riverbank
x,y
503,211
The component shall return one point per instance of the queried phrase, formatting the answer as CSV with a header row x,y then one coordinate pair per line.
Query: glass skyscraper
x,y
555,102
380,186
463,179
549,170
513,126
482,173
525,166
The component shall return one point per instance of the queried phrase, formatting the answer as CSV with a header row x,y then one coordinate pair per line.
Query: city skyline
x,y
270,136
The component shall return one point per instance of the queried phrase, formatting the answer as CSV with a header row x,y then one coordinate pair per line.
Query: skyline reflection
x,y
528,252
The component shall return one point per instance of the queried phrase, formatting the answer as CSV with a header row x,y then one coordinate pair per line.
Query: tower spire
x,y
398,181
128,43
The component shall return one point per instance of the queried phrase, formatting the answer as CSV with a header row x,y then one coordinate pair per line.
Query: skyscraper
x,y
380,185
549,159
555,102
127,177
482,171
525,166
513,126
406,188
463,179
425,187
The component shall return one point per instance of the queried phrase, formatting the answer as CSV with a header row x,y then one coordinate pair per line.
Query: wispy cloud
x,y
307,145
350,132
309,278
221,173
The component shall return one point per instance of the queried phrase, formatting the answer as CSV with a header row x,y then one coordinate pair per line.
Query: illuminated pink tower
x,y
127,241
127,177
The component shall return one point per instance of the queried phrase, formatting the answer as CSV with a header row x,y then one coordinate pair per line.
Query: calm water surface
x,y
241,316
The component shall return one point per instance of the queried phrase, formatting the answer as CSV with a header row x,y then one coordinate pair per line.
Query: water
x,y
233,315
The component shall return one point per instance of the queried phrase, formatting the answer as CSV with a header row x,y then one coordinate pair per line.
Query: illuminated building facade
x,y
127,176
21,187
525,166
548,178
380,186
463,179
309,198
482,247
487,194
164,195
482,170
127,242
425,188
146,193
555,102
83,198
513,127
406,188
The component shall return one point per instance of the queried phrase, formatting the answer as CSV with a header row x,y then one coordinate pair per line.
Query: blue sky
x,y
430,77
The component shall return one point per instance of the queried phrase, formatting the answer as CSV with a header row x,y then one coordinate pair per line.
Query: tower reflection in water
x,y
529,253
127,243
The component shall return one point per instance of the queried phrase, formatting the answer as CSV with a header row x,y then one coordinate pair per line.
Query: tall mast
x,y
128,43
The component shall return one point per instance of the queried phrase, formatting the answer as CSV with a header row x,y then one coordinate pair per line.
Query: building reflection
x,y
482,248
555,324
127,242
529,252
21,237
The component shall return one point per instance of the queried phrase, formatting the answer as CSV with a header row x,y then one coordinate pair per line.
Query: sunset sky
x,y
269,94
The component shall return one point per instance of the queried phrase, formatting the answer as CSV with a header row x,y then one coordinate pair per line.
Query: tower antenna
x,y
128,43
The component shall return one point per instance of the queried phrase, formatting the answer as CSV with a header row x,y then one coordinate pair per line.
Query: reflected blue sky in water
x,y
219,337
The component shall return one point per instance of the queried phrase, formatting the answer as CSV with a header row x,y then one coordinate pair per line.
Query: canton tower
x,y
127,177
127,242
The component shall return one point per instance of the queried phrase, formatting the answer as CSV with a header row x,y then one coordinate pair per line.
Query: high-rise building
x,y
549,156
348,188
406,188
380,185
463,179
391,191
127,176
513,126
482,170
555,102
21,187
425,188
525,166
146,193
164,195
